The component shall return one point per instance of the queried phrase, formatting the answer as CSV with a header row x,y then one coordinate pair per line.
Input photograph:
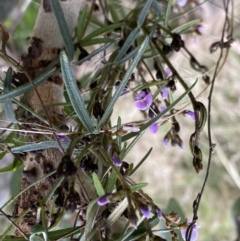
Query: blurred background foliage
x,y
173,182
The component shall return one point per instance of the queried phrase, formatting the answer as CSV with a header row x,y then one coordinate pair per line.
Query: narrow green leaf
x,y
142,161
144,12
67,38
81,23
129,56
123,82
137,187
111,181
185,26
98,185
116,213
53,235
94,53
156,118
39,146
157,7
90,42
27,87
103,30
74,94
90,217
128,42
167,14
8,107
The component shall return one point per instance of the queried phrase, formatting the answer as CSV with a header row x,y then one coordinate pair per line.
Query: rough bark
x,y
45,45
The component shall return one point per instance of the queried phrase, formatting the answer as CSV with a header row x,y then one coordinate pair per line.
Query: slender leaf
x,y
90,42
144,12
8,107
74,94
142,161
27,87
167,14
53,235
137,187
111,181
128,42
94,53
123,82
116,213
81,23
103,30
67,38
185,26
97,184
39,146
129,56
157,7
156,118
90,217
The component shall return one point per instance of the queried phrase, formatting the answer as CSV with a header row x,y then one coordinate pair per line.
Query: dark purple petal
x,y
190,114
103,200
116,160
194,235
63,138
164,92
145,211
154,128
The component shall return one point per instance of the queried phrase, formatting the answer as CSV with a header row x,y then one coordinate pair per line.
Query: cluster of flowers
x,y
146,212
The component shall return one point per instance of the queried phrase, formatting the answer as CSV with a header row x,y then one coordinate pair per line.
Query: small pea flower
x,y
145,211
153,128
143,100
164,92
166,139
153,111
194,234
103,200
116,160
159,213
63,138
190,114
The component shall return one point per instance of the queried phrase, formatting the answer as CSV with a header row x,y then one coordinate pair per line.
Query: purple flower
x,y
124,89
168,72
190,114
200,28
145,211
162,108
116,160
63,138
159,213
154,128
166,140
194,234
181,3
164,92
143,100
103,200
